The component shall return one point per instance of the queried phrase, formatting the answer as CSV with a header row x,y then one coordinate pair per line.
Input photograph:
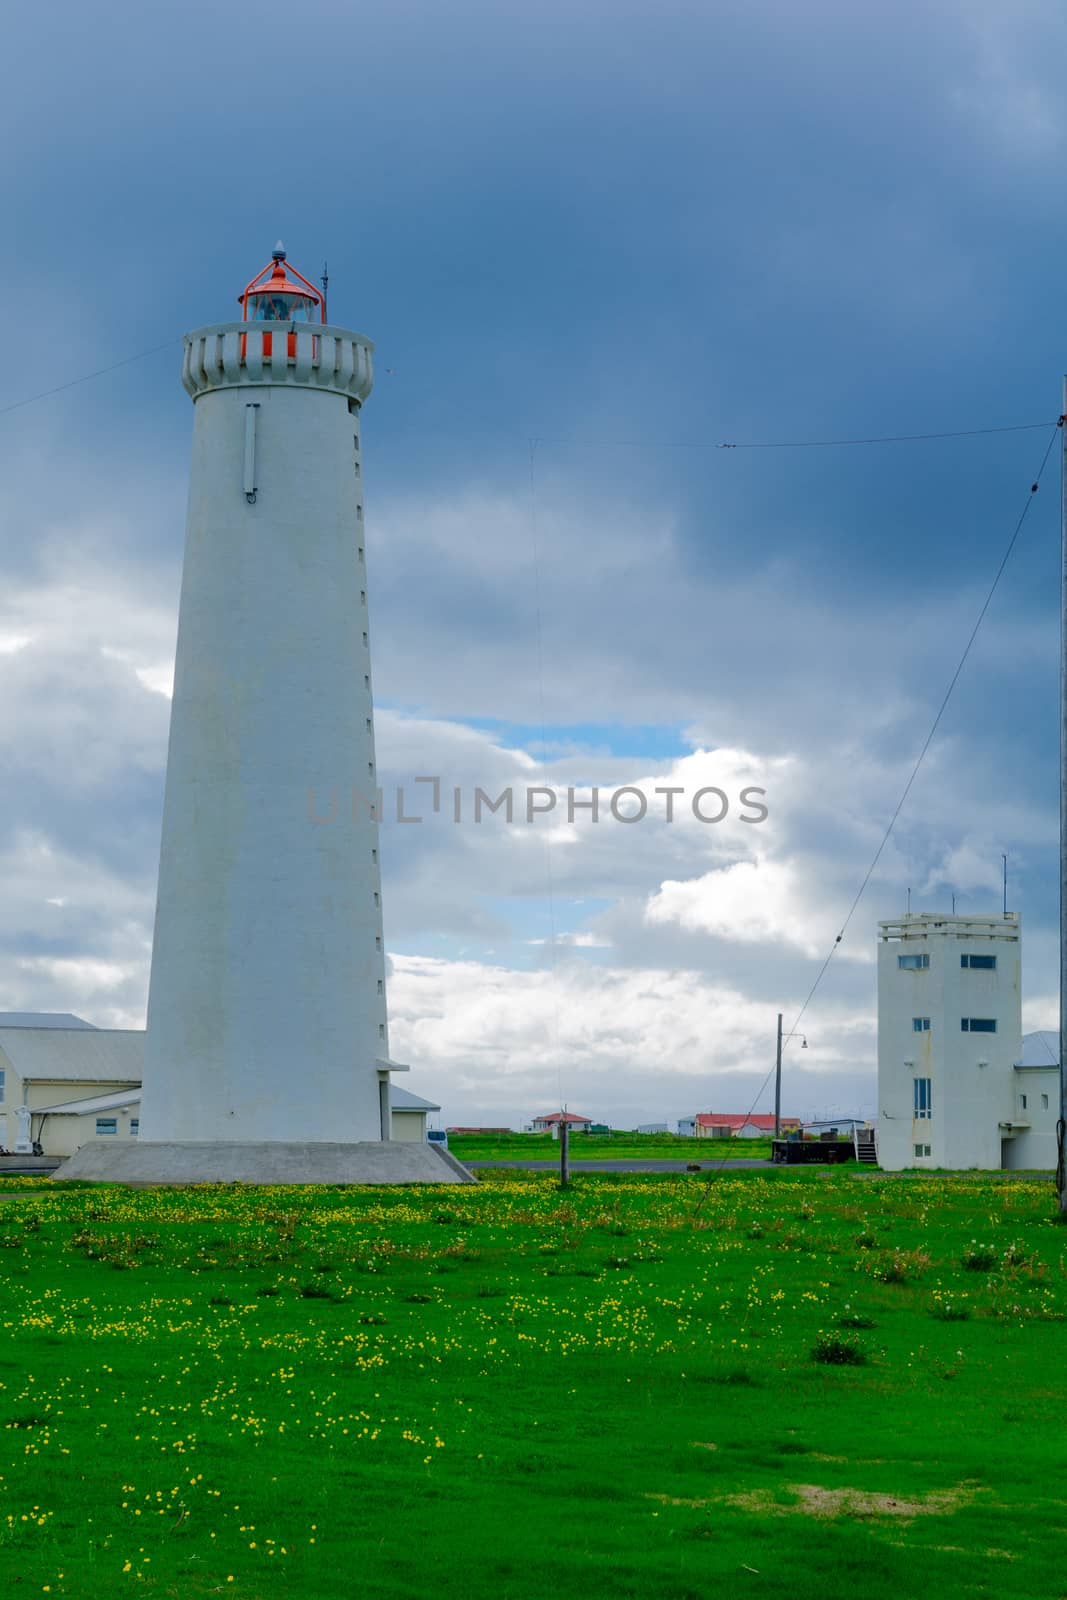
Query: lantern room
x,y
281,294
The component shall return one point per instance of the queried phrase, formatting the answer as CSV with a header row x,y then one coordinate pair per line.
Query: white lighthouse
x,y
267,1052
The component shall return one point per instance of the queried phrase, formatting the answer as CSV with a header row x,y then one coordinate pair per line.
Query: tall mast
x,y
1061,1126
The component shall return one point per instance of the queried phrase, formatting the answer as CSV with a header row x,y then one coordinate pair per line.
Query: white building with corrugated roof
x,y
77,1082
1037,1101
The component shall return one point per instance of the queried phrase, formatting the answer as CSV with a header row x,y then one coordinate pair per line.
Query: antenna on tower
x,y
278,253
909,903
325,281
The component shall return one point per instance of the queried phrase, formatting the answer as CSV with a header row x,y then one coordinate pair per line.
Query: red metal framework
x,y
279,293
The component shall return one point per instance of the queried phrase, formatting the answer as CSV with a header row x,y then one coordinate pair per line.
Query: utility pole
x,y
778,1084
1061,1174
564,1152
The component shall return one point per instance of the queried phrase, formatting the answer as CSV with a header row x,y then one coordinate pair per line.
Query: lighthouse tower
x,y
267,1055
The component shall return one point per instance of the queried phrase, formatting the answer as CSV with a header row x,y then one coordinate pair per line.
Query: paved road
x,y
618,1166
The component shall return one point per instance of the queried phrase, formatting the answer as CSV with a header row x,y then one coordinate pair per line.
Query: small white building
x,y
953,1090
687,1127
408,1114
1032,1143
77,1082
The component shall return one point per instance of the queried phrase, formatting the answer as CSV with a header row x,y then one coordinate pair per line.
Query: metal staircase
x,y
864,1144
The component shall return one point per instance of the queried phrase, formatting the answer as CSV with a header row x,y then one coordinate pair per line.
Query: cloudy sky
x,y
592,243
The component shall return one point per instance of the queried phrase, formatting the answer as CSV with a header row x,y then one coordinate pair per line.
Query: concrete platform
x,y
28,1166
102,1161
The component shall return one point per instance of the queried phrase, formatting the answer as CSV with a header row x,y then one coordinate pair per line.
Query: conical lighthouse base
x,y
267,1162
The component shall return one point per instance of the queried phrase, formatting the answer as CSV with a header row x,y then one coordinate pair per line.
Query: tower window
x,y
920,1024
366,675
374,855
913,963
363,597
381,986
361,552
366,641
1022,1102
1044,1102
978,1024
922,1150
922,1098
369,725
381,1030
979,963
377,941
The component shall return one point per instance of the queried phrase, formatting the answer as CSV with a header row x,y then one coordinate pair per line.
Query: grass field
x,y
514,1392
604,1147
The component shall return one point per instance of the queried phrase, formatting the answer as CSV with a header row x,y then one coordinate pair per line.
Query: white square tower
x,y
949,1034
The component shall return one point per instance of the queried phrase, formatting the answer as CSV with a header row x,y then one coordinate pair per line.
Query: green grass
x,y
619,1146
635,1388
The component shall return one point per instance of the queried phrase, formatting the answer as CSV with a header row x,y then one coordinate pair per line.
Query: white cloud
x,y
676,943
756,902
490,1041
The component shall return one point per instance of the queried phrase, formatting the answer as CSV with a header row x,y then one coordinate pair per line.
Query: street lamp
x,y
778,1074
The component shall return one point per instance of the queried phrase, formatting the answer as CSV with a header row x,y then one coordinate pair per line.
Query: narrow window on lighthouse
x,y
377,941
374,855
377,898
363,597
361,552
381,986
366,680
381,1030
369,725
364,638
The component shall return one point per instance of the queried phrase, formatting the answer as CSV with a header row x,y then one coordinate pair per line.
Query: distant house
x,y
651,1127
551,1123
739,1125
687,1127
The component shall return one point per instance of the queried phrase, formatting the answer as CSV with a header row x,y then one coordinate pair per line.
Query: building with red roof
x,y
740,1125
551,1123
